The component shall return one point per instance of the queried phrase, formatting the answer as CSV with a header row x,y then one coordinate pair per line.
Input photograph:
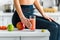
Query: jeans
x,y
41,22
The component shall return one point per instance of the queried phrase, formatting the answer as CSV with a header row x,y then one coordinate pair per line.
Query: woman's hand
x,y
48,18
26,22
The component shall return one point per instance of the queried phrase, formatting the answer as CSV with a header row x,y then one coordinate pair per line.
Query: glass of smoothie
x,y
33,22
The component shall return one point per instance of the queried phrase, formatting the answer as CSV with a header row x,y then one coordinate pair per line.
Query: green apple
x,y
10,27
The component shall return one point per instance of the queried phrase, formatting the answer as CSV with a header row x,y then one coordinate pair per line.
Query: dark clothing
x,y
41,23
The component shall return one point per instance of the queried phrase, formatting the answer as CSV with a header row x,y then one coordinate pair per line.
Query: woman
x,y
24,8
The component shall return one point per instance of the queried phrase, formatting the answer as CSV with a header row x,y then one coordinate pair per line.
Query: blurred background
x,y
8,4
50,7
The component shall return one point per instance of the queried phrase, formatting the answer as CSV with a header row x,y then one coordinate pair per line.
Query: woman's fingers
x,y
29,24
26,22
51,19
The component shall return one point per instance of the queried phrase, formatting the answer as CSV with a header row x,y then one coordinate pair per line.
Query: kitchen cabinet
x,y
25,34
5,19
0,20
34,38
9,38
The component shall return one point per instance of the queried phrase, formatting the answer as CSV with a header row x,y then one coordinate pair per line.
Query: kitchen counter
x,y
25,32
24,35
48,13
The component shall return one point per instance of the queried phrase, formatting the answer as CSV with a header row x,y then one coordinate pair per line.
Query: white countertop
x,y
48,13
25,32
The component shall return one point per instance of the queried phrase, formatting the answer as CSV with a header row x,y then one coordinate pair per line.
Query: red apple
x,y
20,26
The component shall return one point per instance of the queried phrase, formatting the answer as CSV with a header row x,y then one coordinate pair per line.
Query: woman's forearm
x,y
39,7
18,8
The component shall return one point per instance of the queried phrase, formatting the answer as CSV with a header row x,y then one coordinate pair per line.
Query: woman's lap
x,y
44,23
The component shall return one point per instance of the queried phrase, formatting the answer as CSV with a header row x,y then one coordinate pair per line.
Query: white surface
x,y
2,2
25,32
48,13
9,38
35,38
49,3
24,35
5,18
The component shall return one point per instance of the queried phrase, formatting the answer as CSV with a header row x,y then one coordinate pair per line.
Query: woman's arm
x,y
40,9
24,20
18,8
